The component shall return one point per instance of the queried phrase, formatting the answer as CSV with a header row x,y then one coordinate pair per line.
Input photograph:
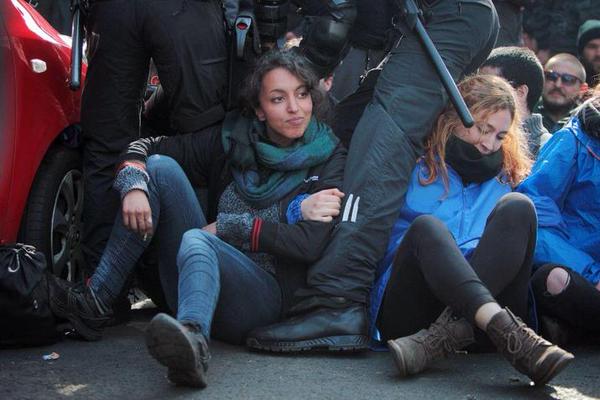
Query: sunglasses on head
x,y
566,79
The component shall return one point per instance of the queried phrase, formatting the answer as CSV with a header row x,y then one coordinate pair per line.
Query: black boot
x,y
78,304
333,329
181,347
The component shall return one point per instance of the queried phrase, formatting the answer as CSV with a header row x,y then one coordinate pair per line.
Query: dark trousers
x,y
186,40
578,304
511,23
389,137
429,271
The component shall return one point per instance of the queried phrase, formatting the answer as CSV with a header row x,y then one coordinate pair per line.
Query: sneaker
x,y
445,336
529,353
78,304
181,348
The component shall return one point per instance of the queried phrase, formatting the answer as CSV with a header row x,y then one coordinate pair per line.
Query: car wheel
x,y
52,218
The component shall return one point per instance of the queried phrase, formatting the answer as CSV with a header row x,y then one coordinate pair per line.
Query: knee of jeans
x,y
194,241
518,206
159,164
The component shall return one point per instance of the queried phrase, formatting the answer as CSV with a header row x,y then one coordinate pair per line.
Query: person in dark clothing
x,y
588,49
57,13
464,242
389,138
510,15
564,87
236,267
520,67
186,40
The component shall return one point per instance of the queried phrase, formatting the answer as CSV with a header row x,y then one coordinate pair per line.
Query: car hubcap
x,y
65,234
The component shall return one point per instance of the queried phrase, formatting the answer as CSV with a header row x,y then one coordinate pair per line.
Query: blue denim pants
x,y
203,278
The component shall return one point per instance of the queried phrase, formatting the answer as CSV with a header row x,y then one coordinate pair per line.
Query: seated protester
x,y
463,244
521,68
241,270
565,187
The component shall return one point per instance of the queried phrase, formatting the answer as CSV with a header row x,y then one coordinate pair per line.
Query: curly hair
x,y
484,95
295,64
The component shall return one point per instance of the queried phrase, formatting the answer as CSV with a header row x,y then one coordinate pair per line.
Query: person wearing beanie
x,y
588,48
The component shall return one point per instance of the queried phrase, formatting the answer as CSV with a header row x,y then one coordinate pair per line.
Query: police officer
x,y
186,39
389,138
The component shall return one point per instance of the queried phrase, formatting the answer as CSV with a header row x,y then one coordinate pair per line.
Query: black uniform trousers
x,y
186,39
390,136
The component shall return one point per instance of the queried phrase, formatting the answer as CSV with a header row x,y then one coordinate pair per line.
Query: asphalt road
x,y
119,367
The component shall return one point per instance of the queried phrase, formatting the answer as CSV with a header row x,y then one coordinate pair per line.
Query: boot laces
x,y
522,341
437,340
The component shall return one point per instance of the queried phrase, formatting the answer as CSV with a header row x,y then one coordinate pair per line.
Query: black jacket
x,y
205,163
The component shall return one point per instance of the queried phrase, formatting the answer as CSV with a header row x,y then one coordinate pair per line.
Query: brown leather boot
x,y
529,353
446,335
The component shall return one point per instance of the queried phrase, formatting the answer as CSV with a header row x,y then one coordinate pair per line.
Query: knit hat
x,y
589,30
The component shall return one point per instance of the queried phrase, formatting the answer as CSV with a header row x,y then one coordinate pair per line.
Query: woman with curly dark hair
x,y
236,267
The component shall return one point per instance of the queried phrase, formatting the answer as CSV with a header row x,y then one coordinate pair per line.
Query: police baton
x,y
76,44
413,18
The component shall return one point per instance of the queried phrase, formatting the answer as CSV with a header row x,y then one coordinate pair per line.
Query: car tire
x,y
52,218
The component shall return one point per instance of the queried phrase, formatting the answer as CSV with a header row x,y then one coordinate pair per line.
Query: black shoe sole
x,y
347,343
168,343
85,331
557,365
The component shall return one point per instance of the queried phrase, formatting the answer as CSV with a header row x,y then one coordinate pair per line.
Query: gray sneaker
x,y
445,336
181,348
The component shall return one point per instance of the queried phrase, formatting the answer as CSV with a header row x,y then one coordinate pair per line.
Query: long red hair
x,y
484,95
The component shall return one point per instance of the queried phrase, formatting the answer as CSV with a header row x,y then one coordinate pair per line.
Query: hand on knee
x,y
557,281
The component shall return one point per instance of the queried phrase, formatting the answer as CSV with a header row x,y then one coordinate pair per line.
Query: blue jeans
x,y
206,270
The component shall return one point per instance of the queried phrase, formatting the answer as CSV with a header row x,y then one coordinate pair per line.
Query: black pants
x,y
578,304
511,22
429,271
389,137
186,40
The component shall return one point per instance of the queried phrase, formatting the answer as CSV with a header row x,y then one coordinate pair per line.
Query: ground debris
x,y
50,357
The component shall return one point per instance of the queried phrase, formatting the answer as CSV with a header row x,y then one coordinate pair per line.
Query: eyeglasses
x,y
567,79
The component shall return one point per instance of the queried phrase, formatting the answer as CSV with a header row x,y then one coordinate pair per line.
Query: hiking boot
x,y
446,335
181,348
78,304
529,353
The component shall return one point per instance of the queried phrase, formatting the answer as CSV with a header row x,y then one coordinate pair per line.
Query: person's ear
x,y
260,114
583,88
522,91
326,83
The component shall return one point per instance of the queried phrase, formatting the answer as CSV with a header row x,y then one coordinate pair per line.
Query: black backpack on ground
x,y
25,315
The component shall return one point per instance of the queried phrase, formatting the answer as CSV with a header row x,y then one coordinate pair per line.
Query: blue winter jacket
x,y
464,210
564,185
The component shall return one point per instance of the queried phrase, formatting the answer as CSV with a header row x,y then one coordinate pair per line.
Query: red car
x,y
41,187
